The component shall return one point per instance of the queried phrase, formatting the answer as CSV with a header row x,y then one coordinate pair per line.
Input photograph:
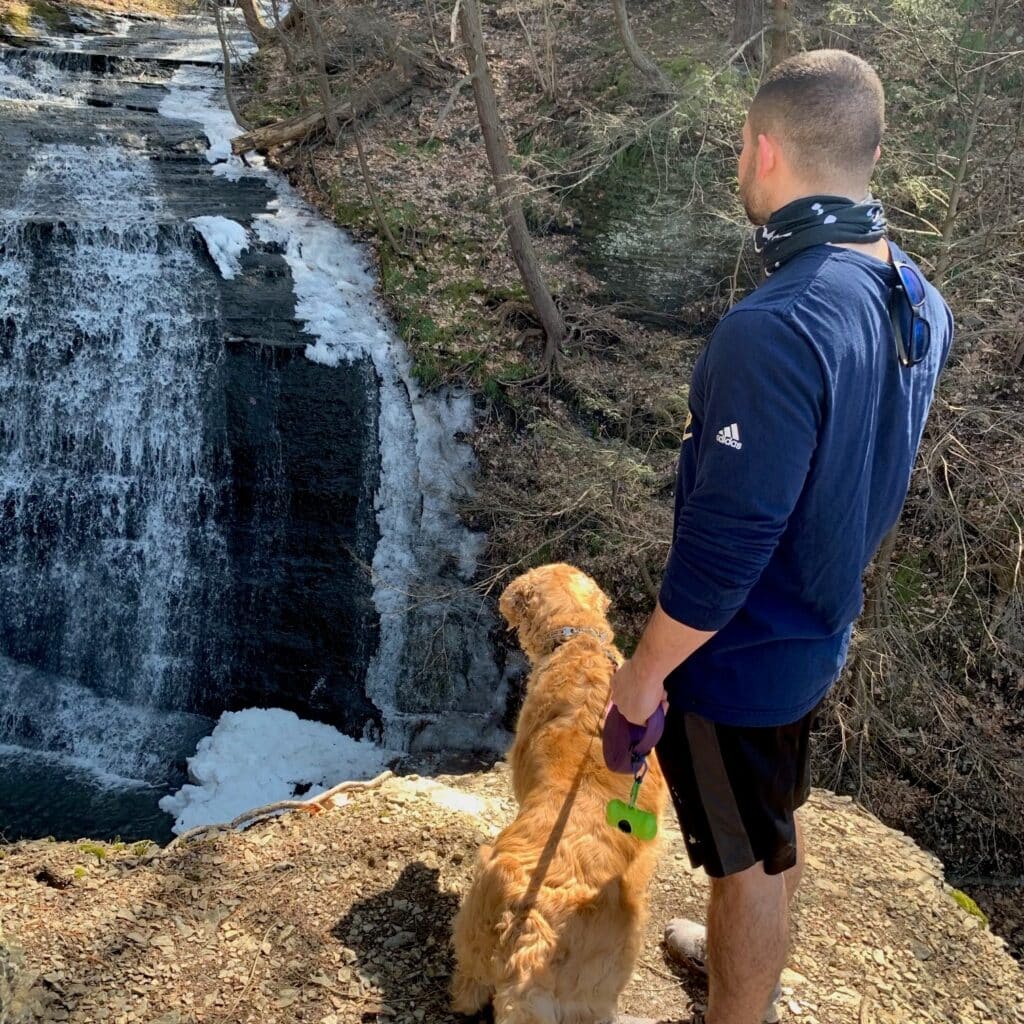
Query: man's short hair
x,y
827,108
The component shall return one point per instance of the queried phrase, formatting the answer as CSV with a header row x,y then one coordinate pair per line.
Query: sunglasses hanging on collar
x,y
911,330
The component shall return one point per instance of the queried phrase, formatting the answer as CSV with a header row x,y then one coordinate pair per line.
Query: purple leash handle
x,y
625,745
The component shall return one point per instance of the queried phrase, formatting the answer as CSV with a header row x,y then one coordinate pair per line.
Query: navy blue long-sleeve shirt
x,y
795,462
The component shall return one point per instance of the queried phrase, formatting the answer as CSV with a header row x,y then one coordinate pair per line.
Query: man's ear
x,y
768,155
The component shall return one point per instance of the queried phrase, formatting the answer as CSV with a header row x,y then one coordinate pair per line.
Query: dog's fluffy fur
x,y
551,928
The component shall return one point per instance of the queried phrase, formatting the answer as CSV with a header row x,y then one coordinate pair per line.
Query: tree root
x,y
315,805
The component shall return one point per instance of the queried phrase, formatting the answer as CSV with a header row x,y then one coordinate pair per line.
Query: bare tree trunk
x,y
642,61
282,37
229,91
371,191
260,32
323,79
547,81
747,20
956,188
509,203
779,47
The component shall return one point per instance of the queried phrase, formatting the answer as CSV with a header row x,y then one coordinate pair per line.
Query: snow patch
x,y
262,755
225,240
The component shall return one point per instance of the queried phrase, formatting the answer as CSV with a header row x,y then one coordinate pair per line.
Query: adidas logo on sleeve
x,y
730,435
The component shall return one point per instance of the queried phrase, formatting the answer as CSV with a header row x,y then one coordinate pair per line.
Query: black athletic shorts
x,y
735,790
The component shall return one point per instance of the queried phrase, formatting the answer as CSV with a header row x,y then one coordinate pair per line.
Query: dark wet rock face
x,y
300,530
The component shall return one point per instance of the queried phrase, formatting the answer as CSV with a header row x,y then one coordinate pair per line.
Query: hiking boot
x,y
686,942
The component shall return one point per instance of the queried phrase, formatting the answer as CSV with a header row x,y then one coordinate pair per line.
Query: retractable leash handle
x,y
626,747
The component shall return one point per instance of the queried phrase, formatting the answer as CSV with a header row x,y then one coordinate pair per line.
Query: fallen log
x,y
383,89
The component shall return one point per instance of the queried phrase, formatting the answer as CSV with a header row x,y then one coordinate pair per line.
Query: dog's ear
x,y
515,600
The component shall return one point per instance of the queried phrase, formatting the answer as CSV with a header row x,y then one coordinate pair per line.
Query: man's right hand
x,y
636,698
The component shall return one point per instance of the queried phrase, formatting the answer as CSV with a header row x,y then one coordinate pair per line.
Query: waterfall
x,y
220,485
433,657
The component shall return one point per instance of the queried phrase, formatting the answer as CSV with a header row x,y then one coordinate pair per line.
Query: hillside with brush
x,y
623,163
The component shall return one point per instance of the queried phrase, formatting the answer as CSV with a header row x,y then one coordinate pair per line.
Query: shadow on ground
x,y
397,941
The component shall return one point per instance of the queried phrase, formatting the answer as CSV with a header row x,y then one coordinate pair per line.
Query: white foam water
x,y
118,744
32,79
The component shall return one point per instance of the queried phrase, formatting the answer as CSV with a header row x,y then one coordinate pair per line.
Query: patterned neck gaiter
x,y
815,220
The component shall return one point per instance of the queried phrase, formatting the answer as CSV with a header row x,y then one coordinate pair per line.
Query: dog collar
x,y
560,636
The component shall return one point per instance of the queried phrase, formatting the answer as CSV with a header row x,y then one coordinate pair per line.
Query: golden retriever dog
x,y
551,928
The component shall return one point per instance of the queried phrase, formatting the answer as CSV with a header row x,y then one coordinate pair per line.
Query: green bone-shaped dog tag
x,y
631,819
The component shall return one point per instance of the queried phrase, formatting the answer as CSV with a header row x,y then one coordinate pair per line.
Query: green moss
x,y
80,872
349,213
403,217
626,642
966,903
427,369
403,278
680,68
623,82
422,330
460,291
908,580
542,556
506,293
262,113
494,385
435,366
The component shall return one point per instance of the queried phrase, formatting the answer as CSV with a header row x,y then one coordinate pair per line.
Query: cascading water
x,y
111,563
219,484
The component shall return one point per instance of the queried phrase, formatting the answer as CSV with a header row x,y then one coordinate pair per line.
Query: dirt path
x,y
344,917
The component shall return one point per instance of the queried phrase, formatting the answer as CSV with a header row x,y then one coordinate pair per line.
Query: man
x,y
806,411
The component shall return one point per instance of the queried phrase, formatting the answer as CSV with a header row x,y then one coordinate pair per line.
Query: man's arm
x,y
764,380
639,686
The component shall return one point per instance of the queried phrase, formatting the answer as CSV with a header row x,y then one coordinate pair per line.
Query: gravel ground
x,y
344,916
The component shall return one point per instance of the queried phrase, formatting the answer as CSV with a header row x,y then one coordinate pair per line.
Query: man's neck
x,y
879,249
